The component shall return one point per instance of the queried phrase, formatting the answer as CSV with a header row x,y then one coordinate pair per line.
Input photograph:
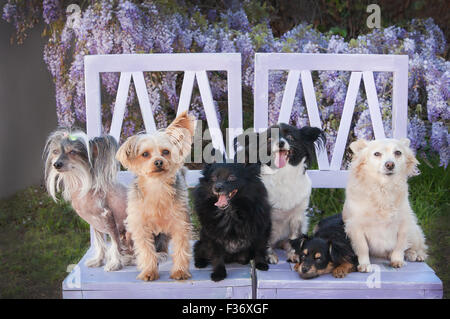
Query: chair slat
x,y
400,98
121,103
144,102
313,114
210,110
346,120
186,91
374,107
261,89
289,96
235,115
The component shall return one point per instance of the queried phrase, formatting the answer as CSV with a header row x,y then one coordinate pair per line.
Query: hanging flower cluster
x,y
114,27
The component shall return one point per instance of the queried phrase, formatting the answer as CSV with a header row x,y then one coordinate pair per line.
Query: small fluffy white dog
x,y
377,215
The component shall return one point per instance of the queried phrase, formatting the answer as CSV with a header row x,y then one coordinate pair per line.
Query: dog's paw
x,y
421,256
412,255
148,275
95,262
262,266
365,268
111,266
201,263
218,275
397,263
297,266
339,272
292,257
180,275
272,258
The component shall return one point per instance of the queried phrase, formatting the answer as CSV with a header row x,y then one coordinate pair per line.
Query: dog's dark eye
x,y
231,178
289,137
165,152
377,154
397,153
145,154
55,152
72,152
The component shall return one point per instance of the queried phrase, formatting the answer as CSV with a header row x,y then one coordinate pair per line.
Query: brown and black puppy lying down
x,y
328,251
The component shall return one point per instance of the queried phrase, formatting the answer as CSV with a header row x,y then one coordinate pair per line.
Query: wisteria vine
x,y
114,27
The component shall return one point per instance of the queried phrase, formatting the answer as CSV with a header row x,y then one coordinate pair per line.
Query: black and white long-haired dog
x,y
329,250
85,172
289,152
232,205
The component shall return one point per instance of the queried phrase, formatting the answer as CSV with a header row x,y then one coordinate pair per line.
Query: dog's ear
x,y
181,133
339,251
102,144
411,160
358,145
297,243
405,141
309,137
313,135
127,151
183,124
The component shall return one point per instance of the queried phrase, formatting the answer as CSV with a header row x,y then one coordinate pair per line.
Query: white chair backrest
x,y
362,66
194,66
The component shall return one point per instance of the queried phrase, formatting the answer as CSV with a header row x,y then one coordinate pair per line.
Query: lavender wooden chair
x,y
416,280
84,282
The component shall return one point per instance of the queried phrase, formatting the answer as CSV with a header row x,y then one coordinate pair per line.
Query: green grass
x,y
40,238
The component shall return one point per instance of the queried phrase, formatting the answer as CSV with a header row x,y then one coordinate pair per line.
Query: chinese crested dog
x,y
377,214
158,198
85,172
232,205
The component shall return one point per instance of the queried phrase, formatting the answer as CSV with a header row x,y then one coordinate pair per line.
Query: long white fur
x,y
377,214
80,178
289,189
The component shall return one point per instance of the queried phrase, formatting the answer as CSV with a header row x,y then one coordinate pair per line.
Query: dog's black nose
x,y
305,269
158,163
281,144
389,165
58,164
218,187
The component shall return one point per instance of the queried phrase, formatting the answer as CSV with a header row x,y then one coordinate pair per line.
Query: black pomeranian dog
x,y
330,250
234,212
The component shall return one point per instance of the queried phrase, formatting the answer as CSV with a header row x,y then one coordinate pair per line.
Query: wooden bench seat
x,y
415,280
92,283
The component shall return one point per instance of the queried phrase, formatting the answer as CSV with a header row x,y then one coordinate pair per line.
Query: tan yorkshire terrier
x,y
158,198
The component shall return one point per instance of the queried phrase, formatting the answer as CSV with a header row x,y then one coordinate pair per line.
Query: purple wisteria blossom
x,y
127,26
51,10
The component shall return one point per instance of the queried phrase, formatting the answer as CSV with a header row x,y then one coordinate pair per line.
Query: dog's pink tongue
x,y
222,201
280,159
